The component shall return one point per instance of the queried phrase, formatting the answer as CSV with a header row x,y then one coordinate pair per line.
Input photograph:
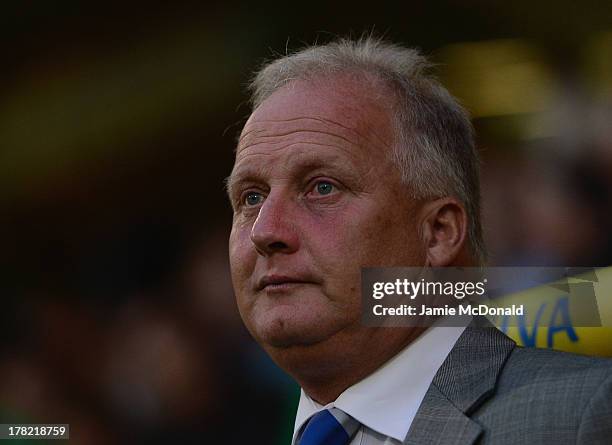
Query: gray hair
x,y
434,144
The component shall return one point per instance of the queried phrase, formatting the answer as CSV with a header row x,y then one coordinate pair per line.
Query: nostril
x,y
278,245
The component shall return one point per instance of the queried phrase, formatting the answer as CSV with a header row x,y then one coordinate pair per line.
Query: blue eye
x,y
253,198
324,188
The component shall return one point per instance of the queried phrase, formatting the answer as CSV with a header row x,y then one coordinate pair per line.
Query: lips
x,y
270,282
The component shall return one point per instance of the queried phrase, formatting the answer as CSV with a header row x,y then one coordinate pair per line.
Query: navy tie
x,y
329,427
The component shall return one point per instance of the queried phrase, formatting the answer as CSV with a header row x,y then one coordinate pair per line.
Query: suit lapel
x,y
438,421
464,381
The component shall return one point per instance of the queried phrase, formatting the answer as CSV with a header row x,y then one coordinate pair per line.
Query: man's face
x,y
315,198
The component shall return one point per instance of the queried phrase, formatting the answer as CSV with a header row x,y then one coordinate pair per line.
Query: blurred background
x,y
117,125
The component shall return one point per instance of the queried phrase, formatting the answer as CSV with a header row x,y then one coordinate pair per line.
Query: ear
x,y
444,231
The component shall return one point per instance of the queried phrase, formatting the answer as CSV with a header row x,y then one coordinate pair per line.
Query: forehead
x,y
341,109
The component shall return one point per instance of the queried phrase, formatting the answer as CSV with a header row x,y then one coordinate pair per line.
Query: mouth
x,y
281,283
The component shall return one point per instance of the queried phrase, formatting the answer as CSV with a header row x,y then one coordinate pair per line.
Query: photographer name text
x,y
481,309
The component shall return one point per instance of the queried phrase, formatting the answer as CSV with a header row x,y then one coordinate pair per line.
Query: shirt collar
x,y
388,399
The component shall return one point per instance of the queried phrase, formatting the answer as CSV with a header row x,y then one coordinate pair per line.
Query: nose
x,y
274,228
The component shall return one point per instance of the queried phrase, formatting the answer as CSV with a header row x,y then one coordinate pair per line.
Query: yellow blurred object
x,y
590,341
548,325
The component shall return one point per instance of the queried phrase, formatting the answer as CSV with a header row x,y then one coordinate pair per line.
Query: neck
x,y
324,375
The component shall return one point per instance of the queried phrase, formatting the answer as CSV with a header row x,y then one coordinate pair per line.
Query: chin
x,y
282,332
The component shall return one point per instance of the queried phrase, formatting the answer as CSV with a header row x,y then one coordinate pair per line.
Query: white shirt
x,y
387,400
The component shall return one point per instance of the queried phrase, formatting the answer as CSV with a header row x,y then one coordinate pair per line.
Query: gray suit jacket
x,y
490,391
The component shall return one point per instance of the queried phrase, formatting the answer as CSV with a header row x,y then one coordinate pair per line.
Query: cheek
x,y
397,237
329,240
242,257
371,235
338,247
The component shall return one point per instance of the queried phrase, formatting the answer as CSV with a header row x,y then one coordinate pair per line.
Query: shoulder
x,y
553,394
531,366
